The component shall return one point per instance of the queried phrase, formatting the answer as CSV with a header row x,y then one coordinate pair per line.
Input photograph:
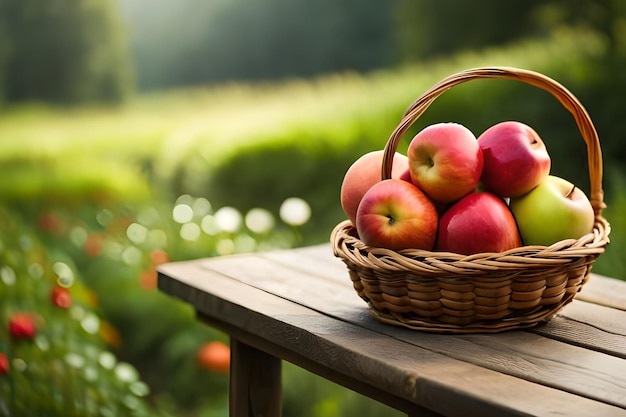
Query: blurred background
x,y
135,132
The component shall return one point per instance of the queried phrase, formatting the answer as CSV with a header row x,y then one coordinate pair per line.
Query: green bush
x,y
63,52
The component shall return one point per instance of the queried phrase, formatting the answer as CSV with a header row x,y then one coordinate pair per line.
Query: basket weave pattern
x,y
485,292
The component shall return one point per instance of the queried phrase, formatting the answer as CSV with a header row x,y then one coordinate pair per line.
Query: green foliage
x,y
63,51
325,399
65,368
106,255
611,263
431,28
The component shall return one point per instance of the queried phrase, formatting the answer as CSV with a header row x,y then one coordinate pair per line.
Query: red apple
x,y
445,161
479,222
554,210
362,175
395,214
515,159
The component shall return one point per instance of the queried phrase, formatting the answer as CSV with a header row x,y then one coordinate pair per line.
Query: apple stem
x,y
570,192
391,219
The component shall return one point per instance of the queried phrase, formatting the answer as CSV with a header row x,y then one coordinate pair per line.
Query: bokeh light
x,y
259,220
228,219
295,211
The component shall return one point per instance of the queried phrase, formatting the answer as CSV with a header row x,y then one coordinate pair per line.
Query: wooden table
x,y
299,306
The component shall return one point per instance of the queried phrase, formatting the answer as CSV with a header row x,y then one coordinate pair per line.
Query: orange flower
x,y
159,257
61,297
22,326
4,364
93,245
148,279
215,357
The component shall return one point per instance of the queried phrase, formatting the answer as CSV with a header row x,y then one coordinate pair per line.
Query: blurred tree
x,y
607,17
66,51
63,51
248,39
427,28
4,49
284,38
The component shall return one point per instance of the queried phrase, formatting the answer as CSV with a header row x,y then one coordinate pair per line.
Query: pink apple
x,y
479,222
445,161
362,175
554,210
515,159
395,214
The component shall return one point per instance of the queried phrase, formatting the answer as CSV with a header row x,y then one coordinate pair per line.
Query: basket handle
x,y
565,97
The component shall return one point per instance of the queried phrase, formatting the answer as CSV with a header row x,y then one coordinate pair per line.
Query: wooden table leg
x,y
255,382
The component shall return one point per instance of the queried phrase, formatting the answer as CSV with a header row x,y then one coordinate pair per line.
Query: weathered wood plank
x,y
283,329
360,356
521,354
255,382
605,291
318,259
589,325
286,276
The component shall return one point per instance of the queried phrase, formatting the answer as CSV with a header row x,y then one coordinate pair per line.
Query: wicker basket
x,y
486,292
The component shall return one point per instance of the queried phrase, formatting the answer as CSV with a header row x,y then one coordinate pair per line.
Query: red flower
x,y
50,222
22,326
215,357
4,364
61,297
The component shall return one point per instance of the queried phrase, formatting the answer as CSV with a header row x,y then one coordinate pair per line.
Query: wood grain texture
x,y
591,326
300,306
522,354
605,291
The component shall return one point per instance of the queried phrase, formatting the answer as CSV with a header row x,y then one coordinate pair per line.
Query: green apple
x,y
555,210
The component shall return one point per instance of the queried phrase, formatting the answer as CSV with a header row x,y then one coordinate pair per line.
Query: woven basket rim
x,y
346,244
